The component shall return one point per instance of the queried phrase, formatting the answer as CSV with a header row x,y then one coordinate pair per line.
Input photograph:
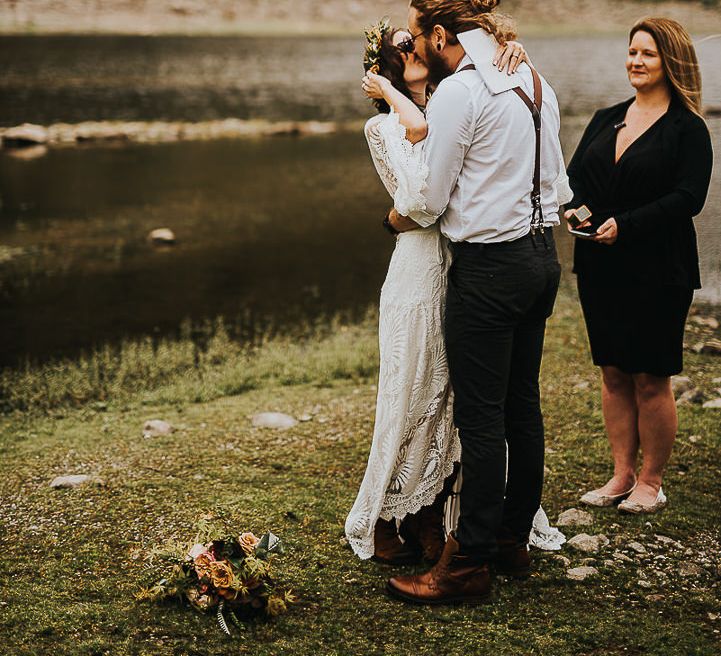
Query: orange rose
x,y
202,564
248,542
221,574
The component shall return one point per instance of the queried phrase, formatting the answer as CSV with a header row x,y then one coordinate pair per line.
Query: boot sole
x,y
448,601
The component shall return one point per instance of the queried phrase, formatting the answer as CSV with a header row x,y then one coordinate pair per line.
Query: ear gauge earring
x,y
438,47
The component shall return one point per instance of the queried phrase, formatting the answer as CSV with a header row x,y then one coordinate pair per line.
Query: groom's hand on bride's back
x,y
401,223
510,56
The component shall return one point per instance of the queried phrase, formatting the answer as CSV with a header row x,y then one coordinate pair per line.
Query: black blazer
x,y
656,237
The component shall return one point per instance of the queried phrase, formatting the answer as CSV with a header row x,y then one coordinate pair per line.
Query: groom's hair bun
x,y
484,5
462,16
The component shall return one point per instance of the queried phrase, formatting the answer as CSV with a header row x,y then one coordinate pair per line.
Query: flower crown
x,y
375,35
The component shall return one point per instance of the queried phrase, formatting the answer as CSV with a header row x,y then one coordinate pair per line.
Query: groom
x,y
483,174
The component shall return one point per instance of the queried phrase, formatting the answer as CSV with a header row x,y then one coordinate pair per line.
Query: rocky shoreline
x,y
29,139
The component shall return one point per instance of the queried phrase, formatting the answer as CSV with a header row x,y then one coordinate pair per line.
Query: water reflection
x,y
282,230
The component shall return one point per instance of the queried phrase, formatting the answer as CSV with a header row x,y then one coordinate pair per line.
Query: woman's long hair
x,y
458,16
678,57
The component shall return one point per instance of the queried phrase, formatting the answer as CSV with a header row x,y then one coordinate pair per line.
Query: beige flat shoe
x,y
593,498
635,508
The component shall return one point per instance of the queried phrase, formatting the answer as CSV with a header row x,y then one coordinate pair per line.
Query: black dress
x,y
636,293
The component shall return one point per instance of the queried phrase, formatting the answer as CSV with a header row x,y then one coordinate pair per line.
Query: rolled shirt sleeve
x,y
450,130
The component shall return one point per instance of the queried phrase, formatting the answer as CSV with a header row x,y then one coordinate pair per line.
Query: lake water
x,y
273,234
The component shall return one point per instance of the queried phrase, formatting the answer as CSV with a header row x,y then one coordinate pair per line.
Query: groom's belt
x,y
482,246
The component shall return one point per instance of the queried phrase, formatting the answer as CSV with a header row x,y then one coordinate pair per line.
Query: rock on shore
x,y
58,134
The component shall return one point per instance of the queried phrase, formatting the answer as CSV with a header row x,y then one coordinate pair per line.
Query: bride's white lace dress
x,y
415,444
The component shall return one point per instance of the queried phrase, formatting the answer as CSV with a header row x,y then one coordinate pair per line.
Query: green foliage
x,y
192,369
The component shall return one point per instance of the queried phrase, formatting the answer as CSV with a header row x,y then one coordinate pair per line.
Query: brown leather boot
x,y
427,527
455,579
431,531
388,547
513,559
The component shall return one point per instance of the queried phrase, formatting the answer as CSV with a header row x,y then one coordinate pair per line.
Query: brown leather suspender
x,y
534,106
535,109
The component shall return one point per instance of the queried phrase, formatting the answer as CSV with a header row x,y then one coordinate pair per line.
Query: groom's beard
x,y
438,70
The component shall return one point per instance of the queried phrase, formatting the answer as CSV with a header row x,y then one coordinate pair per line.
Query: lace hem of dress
x,y
365,548
543,536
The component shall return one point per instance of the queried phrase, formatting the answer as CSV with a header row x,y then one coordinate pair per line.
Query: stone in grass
x,y
581,573
588,543
622,557
276,420
72,481
689,569
574,517
156,427
691,397
712,347
566,562
664,539
706,322
680,385
637,547
715,404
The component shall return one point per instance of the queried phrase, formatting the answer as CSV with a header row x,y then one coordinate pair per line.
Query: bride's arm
x,y
377,86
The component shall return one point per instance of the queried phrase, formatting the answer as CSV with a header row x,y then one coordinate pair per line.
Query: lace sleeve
x,y
399,163
378,153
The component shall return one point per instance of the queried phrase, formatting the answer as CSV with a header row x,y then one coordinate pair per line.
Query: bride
x,y
398,516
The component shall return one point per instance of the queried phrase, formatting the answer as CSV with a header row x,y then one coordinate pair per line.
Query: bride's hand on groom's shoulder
x,y
375,86
510,56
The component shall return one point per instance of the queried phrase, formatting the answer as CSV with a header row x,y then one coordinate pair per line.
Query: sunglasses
x,y
408,45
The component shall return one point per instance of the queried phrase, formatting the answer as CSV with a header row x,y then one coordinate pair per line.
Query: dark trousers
x,y
499,297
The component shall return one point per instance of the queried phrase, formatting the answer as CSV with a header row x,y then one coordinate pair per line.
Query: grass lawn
x,y
68,568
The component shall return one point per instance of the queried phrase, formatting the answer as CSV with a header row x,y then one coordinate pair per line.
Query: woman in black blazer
x,y
643,168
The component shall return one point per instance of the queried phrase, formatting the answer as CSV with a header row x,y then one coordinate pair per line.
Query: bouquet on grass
x,y
231,576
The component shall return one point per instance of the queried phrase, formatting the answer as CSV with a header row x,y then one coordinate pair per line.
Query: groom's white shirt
x,y
480,151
